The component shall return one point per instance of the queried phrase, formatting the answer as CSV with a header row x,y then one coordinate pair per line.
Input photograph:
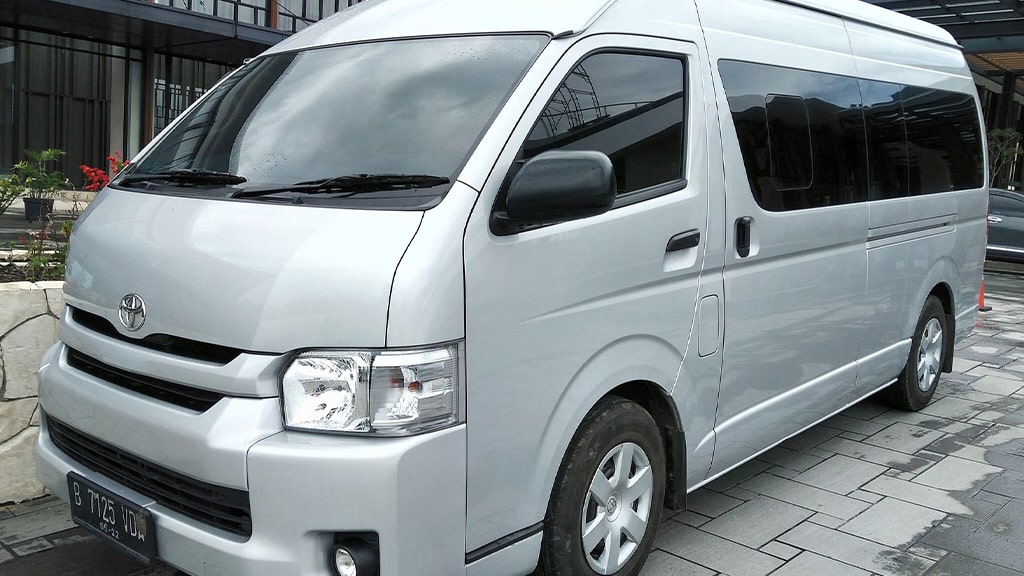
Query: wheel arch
x,y
642,369
944,293
942,281
662,408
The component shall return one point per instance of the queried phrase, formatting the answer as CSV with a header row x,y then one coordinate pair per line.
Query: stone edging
x,y
28,326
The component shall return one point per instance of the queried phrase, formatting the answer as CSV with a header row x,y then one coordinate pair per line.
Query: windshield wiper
x,y
185,176
352,184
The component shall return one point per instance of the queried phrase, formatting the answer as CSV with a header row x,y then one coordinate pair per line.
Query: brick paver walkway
x,y
878,491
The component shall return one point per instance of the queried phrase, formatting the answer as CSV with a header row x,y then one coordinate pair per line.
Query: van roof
x,y
375,19
877,16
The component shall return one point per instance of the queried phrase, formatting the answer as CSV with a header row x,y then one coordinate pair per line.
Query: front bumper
x,y
304,489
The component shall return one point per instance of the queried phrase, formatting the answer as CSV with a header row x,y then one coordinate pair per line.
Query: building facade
x,y
94,77
991,33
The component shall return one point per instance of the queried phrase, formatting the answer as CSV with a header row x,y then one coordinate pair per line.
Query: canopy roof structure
x,y
991,32
220,36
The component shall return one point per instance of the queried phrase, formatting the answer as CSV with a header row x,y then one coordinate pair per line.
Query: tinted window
x,y
1005,205
868,140
888,169
943,139
789,138
800,134
629,106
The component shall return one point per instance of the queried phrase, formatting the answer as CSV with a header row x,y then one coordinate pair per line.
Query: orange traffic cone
x,y
981,298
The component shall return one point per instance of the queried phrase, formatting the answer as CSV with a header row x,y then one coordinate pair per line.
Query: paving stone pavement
x,y
877,491
38,538
870,492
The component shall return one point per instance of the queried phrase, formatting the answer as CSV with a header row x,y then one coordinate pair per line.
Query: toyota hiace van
x,y
480,288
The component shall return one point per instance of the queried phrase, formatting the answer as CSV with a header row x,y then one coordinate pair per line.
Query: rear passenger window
x,y
811,139
888,168
789,135
801,135
943,139
629,106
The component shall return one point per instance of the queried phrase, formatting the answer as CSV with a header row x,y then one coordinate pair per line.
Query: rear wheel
x,y
607,498
916,385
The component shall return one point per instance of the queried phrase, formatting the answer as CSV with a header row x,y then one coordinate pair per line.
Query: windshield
x,y
409,110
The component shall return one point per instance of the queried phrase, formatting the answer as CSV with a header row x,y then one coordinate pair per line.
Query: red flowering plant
x,y
97,178
117,163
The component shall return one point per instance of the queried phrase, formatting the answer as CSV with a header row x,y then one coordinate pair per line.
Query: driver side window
x,y
629,106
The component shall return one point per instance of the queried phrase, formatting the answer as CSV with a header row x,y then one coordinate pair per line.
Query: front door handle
x,y
994,219
683,240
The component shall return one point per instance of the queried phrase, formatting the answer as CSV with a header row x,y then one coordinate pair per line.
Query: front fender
x,y
632,359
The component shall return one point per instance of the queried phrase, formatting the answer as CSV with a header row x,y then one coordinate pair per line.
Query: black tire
x,y
916,384
614,428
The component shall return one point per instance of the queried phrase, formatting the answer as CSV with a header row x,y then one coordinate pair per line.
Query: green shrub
x,y
10,189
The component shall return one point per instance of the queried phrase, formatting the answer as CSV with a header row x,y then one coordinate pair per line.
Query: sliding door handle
x,y
684,240
743,236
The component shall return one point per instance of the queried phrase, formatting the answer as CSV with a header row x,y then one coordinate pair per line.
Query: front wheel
x,y
916,385
607,498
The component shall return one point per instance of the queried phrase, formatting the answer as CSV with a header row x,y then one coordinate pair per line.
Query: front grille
x,y
184,347
224,508
177,394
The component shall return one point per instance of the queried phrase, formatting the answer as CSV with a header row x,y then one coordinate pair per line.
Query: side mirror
x,y
561,185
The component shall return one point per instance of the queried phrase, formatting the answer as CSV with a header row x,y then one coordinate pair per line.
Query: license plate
x,y
120,522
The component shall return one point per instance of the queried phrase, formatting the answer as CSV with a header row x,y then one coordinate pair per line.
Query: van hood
x,y
260,277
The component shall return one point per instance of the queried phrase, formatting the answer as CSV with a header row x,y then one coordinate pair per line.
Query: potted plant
x,y
42,182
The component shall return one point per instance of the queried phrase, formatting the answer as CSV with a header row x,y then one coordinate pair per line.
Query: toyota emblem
x,y
132,312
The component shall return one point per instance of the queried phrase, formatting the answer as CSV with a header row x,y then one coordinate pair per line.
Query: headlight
x,y
387,393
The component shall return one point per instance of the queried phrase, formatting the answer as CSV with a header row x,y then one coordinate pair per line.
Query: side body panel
x,y
822,310
924,242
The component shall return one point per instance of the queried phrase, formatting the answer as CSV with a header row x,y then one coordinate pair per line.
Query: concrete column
x,y
1004,111
275,12
118,106
148,99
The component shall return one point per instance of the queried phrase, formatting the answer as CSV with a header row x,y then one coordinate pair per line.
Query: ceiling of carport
x,y
965,18
991,31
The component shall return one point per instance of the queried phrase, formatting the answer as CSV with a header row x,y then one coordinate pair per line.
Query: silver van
x,y
480,288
